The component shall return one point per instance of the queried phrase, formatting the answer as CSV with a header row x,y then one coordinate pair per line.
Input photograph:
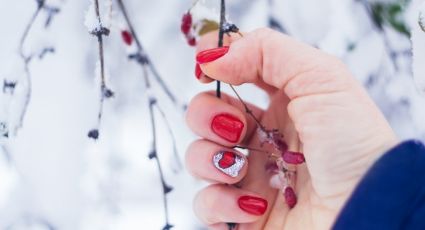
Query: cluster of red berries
x,y
186,28
278,166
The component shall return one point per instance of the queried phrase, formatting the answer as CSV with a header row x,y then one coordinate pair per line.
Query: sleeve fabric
x,y
392,193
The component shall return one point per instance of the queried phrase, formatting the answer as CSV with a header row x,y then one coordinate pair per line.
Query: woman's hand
x,y
318,106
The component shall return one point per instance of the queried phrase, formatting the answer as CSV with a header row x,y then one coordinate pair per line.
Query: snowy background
x,y
53,177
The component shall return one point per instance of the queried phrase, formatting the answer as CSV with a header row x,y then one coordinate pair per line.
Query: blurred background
x,y
52,176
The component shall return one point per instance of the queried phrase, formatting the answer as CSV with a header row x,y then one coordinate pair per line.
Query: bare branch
x,y
105,92
220,37
142,58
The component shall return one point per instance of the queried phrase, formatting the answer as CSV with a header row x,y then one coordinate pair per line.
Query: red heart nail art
x,y
228,162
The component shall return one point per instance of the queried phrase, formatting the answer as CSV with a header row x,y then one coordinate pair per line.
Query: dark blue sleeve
x,y
392,193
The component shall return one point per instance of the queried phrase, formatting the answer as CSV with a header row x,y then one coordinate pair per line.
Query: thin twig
x,y
26,60
247,109
143,58
173,139
99,32
28,28
154,156
102,62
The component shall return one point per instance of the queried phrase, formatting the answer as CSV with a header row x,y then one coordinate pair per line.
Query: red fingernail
x,y
211,54
227,126
228,162
253,205
198,71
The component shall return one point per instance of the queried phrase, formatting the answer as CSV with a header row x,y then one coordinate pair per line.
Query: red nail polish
x,y
253,205
227,127
198,71
293,157
211,54
228,162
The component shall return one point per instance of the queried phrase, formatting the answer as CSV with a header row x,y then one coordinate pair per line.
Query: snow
x,y
90,20
418,36
55,173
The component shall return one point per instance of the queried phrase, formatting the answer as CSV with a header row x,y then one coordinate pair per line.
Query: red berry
x,y
191,40
186,23
280,144
293,157
290,197
127,37
272,167
228,159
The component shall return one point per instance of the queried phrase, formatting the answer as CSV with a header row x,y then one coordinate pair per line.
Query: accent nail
x,y
227,127
228,162
198,71
211,54
253,205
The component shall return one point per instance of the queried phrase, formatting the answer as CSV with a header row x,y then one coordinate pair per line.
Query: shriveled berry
x,y
290,197
186,23
294,158
280,144
271,167
127,37
191,40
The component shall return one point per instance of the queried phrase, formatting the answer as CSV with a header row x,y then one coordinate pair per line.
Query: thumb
x,y
267,56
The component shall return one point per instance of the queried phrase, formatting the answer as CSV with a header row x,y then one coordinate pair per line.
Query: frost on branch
x,y
102,22
16,77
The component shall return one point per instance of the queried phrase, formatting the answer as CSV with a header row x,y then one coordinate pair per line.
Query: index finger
x,y
270,57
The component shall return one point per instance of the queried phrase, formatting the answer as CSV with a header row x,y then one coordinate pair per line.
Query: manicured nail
x,y
253,205
198,71
211,54
228,162
227,127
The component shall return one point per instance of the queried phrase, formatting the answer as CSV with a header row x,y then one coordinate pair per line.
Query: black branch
x,y
105,92
220,37
10,85
143,60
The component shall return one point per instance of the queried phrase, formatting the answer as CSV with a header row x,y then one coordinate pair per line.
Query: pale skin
x,y
321,110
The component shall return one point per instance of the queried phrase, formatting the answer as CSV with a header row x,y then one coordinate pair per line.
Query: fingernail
x,y
198,71
253,205
228,162
211,54
227,127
